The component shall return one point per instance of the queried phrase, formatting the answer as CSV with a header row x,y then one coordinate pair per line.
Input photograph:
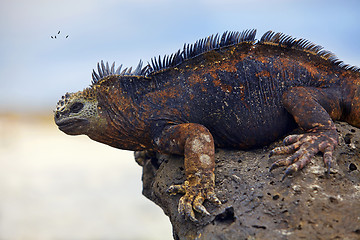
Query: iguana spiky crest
x,y
104,70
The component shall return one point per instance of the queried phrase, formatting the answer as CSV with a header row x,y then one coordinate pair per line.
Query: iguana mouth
x,y
71,124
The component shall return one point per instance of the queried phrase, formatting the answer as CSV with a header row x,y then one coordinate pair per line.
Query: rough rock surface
x,y
257,205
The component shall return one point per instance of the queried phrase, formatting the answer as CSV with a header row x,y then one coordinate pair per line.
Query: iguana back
x,y
236,91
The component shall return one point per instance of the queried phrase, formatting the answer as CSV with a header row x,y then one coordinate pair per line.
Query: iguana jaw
x,y
73,126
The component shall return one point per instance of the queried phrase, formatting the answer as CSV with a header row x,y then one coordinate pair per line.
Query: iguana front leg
x,y
313,110
196,143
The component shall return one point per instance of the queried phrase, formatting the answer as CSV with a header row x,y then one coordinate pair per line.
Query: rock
x,y
257,205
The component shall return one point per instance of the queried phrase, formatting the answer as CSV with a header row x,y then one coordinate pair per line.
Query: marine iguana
x,y
227,91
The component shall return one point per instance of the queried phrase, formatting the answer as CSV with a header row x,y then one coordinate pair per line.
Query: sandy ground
x,y
54,186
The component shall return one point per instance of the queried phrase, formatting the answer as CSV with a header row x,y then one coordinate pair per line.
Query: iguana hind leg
x,y
196,143
313,110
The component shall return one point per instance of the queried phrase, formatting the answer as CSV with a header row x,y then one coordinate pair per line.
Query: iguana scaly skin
x,y
225,91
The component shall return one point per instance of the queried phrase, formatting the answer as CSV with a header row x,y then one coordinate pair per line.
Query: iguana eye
x,y
76,107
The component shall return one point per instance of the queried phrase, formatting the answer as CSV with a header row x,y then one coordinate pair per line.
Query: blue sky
x,y
36,70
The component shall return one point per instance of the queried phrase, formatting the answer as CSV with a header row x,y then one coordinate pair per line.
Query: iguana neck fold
x,y
120,98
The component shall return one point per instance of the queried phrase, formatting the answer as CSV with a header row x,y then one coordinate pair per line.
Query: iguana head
x,y
77,113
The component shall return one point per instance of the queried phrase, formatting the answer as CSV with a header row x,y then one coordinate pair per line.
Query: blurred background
x,y
53,186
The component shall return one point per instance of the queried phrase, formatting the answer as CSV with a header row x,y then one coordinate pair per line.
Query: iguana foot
x,y
303,147
197,188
